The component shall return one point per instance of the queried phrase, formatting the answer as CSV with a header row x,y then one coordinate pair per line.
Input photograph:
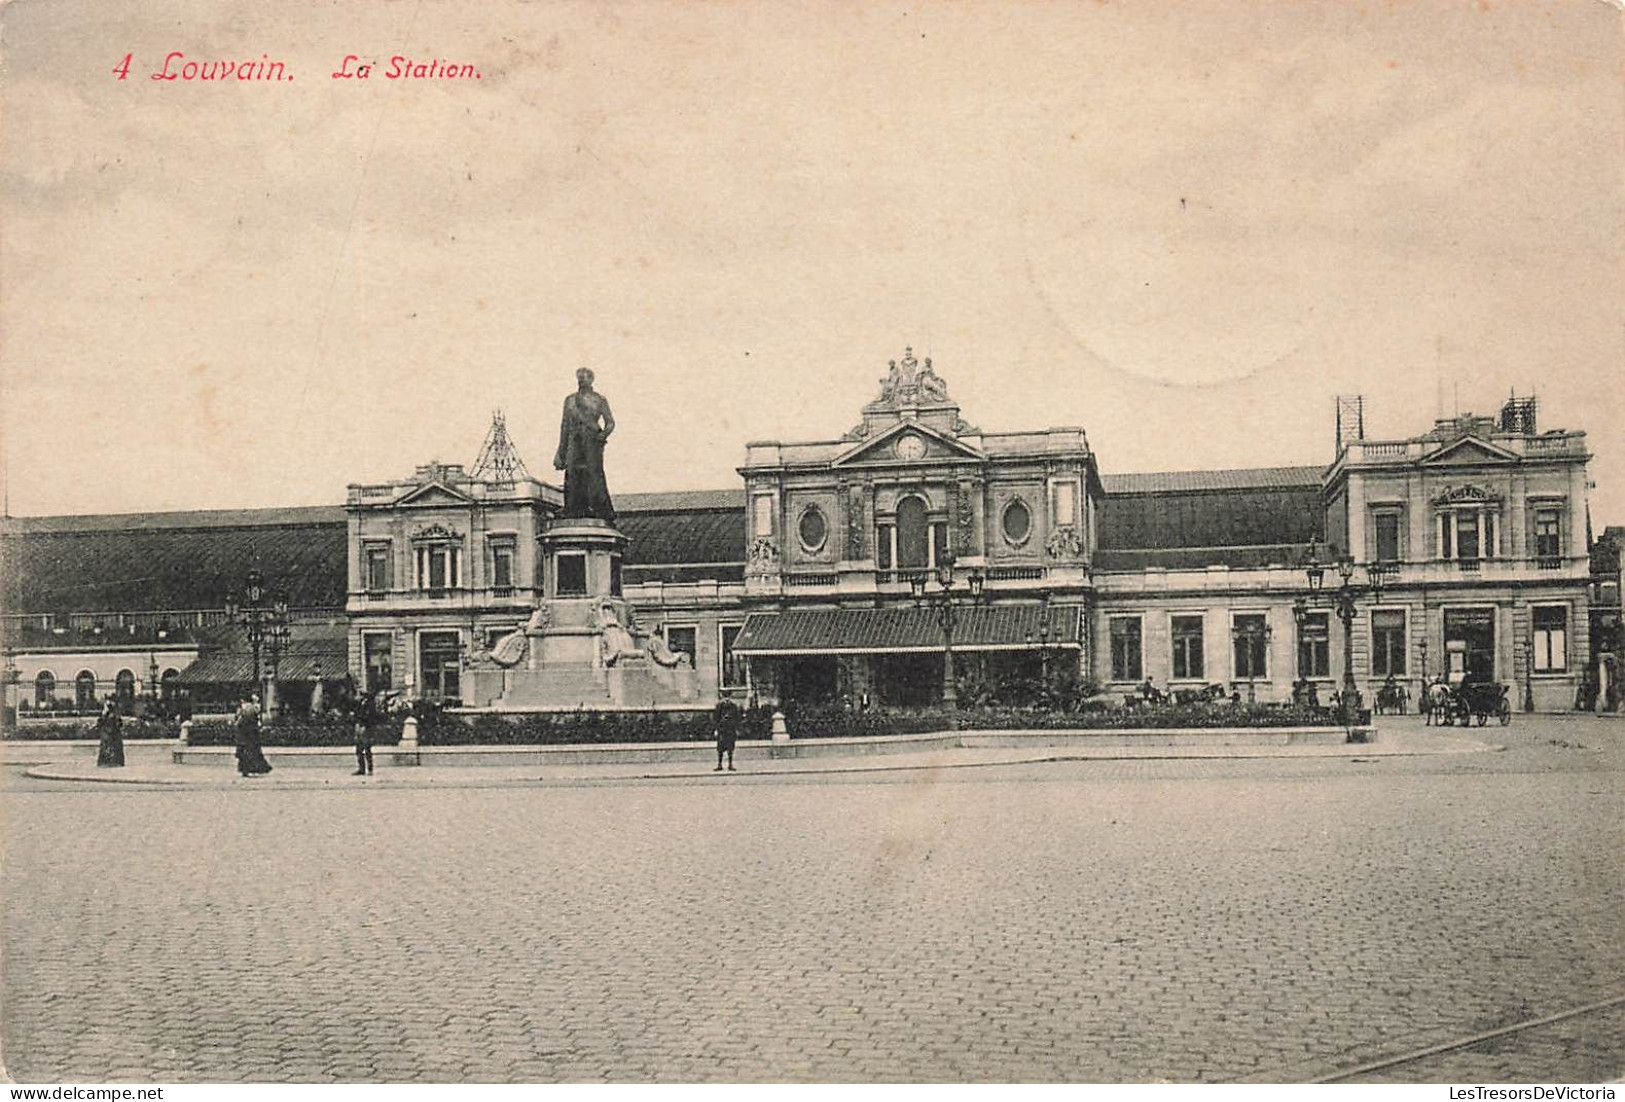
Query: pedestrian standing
x,y
250,757
110,735
366,715
726,720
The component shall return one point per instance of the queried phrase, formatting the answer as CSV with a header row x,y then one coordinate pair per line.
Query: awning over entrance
x,y
313,646
903,630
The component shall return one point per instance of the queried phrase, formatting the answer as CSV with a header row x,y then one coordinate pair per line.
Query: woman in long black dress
x,y
109,730
250,758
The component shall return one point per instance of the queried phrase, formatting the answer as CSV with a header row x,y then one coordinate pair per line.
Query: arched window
x,y
913,538
44,687
124,686
168,682
84,690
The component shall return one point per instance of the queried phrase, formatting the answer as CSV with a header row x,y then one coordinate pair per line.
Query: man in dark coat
x,y
366,715
586,426
726,719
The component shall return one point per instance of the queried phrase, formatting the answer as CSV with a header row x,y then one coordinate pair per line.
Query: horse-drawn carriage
x,y
1466,702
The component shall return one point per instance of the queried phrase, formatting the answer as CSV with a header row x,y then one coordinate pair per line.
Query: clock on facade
x,y
910,447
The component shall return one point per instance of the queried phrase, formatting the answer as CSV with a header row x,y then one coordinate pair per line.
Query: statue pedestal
x,y
583,648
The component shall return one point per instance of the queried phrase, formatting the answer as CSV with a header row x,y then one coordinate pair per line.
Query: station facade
x,y
803,583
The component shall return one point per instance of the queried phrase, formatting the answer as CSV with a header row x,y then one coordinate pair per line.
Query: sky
x,y
1183,226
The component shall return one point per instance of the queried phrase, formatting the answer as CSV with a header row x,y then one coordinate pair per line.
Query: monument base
x,y
583,647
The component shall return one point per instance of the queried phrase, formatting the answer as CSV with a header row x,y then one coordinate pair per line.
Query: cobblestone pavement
x,y
1092,921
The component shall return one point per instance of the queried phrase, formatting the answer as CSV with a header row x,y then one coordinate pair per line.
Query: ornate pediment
x,y
432,494
1467,451
908,442
436,533
1466,495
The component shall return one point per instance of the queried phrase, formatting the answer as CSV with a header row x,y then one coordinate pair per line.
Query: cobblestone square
x,y
1213,920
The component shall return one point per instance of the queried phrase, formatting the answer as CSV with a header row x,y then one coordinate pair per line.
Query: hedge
x,y
582,728
436,728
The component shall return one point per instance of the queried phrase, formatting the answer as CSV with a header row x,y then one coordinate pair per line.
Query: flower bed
x,y
582,728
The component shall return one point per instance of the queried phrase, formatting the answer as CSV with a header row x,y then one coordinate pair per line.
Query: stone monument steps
x,y
559,686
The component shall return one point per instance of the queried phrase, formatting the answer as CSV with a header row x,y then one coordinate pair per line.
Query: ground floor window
x,y
909,680
1314,645
1551,639
730,666
440,661
1187,633
1126,657
84,689
1388,642
811,679
44,687
1250,636
1469,643
379,662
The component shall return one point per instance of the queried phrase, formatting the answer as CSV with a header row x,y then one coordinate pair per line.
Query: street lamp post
x,y
264,617
1345,600
9,677
1253,633
942,603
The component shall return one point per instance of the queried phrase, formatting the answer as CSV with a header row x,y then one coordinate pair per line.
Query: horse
x,y
1435,701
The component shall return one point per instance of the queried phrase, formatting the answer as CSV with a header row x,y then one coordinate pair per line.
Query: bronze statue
x,y
587,424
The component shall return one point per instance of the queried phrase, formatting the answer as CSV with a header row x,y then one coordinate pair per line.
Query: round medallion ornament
x,y
1017,523
910,447
813,530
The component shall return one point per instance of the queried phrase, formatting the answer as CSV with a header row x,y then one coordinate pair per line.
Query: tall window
x,y
1388,642
1548,534
1387,533
913,539
84,690
44,687
1467,535
376,567
1126,665
124,687
1551,639
1314,645
502,560
730,666
683,640
1249,635
1187,633
439,566
377,654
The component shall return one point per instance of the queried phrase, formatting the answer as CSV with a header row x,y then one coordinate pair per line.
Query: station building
x,y
799,583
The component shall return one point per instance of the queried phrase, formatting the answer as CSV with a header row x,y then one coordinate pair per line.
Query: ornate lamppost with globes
x,y
943,601
264,617
1345,601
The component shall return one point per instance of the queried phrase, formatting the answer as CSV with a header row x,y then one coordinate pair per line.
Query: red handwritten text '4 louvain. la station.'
x,y
178,66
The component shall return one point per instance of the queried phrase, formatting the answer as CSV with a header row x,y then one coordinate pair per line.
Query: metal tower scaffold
x,y
499,463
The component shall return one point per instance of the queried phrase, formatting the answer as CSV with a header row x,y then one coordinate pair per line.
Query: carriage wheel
x,y
1505,713
1483,718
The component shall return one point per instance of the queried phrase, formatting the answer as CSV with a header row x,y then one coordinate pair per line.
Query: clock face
x,y
910,447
